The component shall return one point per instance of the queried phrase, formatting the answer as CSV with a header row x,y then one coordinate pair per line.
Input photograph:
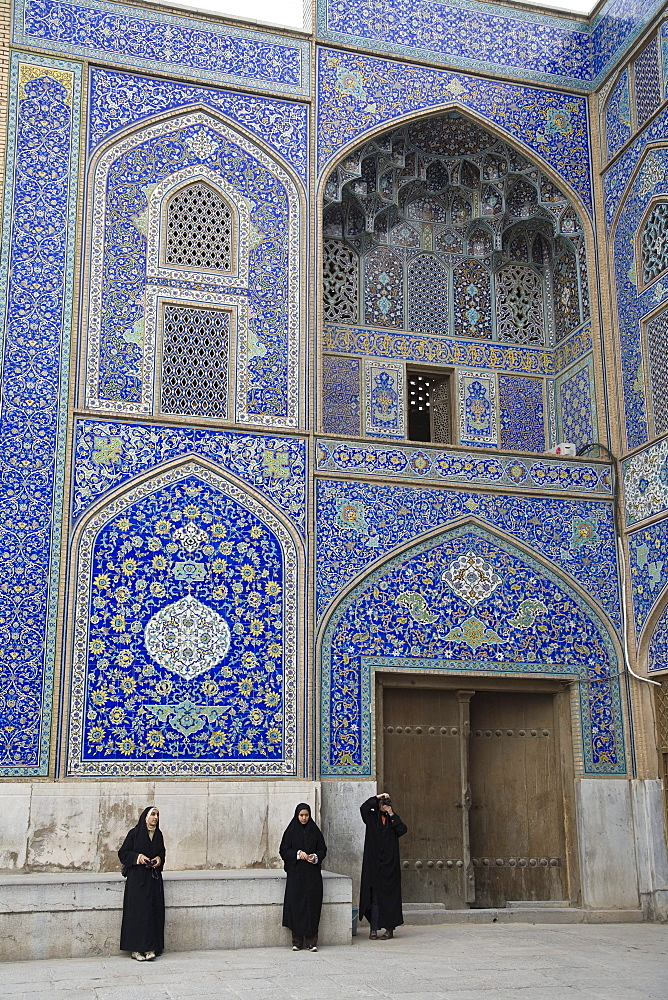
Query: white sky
x,y
290,13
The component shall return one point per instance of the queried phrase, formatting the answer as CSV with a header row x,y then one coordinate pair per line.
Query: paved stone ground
x,y
446,962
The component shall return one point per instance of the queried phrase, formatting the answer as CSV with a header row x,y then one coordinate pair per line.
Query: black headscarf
x,y
304,836
143,844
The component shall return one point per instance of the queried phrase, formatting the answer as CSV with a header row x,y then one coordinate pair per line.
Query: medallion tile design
x,y
147,39
618,116
367,341
109,453
646,482
36,275
384,404
575,409
521,412
358,93
476,393
121,99
184,658
263,293
648,556
576,535
373,627
657,661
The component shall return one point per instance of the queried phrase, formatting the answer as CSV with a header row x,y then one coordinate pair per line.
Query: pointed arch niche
x,y
447,249
466,602
190,217
184,647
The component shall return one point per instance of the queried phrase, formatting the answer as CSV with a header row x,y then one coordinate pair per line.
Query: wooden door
x,y
516,819
424,737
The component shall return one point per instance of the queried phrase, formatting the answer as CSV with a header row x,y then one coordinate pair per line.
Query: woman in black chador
x,y
143,856
303,850
380,891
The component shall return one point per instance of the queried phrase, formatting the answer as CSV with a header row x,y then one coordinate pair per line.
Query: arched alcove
x,y
184,647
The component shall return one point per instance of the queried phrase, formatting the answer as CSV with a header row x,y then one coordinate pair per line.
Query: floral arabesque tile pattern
x,y
341,395
510,473
618,174
358,93
618,116
390,516
648,557
37,261
185,631
521,411
646,482
120,99
131,182
615,28
632,306
107,453
657,659
157,40
405,615
576,417
474,35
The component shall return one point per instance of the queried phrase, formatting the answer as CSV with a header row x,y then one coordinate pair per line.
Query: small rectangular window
x,y
429,406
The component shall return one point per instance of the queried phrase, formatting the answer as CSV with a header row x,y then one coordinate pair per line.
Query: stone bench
x,y
73,915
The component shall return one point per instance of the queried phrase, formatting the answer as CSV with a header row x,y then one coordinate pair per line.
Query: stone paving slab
x,y
443,962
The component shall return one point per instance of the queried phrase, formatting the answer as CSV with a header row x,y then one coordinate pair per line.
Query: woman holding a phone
x,y
142,855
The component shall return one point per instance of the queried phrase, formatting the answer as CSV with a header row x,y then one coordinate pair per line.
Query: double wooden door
x,y
476,776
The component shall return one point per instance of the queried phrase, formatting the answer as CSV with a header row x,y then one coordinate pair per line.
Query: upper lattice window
x,y
194,361
199,230
519,305
340,276
654,243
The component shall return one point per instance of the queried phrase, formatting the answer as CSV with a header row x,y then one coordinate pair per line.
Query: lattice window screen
x,y
428,295
194,361
657,342
654,243
441,423
199,229
647,82
340,283
519,305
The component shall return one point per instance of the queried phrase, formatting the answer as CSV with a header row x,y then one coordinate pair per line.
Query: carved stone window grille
x,y
428,295
519,305
566,295
656,332
647,82
340,283
654,243
199,230
195,361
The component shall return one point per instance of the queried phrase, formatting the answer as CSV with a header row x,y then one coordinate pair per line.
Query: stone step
x,y
519,915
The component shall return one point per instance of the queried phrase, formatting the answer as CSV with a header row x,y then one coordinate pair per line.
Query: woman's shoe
x,y
296,947
150,955
313,947
139,956
387,935
373,935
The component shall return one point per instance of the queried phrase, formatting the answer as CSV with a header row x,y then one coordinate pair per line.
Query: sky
x,y
290,13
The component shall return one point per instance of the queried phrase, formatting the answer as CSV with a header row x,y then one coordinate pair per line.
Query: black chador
x,y
143,927
380,889
303,890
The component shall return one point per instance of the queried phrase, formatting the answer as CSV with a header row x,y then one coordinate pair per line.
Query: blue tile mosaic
x,y
615,28
184,633
108,453
618,174
476,392
465,600
121,99
132,181
341,395
632,306
36,275
576,414
357,93
576,535
473,35
648,557
572,348
521,413
645,477
618,116
156,40
437,465
657,658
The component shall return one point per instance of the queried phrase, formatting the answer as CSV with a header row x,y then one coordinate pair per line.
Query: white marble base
x,y
77,915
